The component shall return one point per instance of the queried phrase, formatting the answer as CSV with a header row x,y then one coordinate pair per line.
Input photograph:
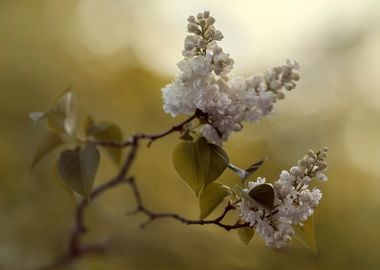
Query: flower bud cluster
x,y
204,32
203,84
294,201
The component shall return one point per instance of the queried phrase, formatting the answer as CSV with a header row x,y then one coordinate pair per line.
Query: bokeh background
x,y
118,55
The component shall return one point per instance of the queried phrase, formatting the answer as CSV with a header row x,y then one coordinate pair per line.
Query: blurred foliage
x,y
39,58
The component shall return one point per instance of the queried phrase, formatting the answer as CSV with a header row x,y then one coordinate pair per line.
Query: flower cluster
x,y
203,84
294,202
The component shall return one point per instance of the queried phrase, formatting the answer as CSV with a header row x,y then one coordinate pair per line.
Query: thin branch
x,y
152,216
150,137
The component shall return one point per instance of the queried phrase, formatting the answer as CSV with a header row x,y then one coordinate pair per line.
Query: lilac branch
x,y
152,216
77,250
150,137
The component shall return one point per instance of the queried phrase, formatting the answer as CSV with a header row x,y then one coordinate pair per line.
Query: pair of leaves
x,y
105,131
61,115
199,163
61,118
77,168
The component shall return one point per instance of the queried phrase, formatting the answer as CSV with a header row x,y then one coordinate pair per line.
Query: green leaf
x,y
244,174
58,97
70,172
306,235
254,168
87,124
264,195
68,190
61,115
89,163
199,163
108,132
77,168
192,162
218,163
48,143
211,197
246,234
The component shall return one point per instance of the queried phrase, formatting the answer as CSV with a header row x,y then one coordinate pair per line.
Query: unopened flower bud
x,y
289,86
202,22
191,19
296,171
210,21
275,85
209,34
218,35
280,95
322,165
295,76
302,164
310,153
193,28
321,177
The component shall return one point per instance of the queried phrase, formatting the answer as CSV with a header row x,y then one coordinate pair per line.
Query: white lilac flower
x,y
294,201
203,84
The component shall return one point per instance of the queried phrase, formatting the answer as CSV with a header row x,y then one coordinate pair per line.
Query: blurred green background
x,y
118,55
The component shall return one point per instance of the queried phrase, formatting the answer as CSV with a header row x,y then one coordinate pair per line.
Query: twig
x,y
150,137
140,208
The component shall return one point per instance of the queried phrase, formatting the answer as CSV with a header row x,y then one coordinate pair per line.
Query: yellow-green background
x,y
118,55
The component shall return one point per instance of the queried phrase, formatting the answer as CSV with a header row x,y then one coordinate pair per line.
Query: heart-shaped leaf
x,y
48,143
199,163
107,131
211,197
191,160
263,194
246,234
77,168
218,163
89,162
306,235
